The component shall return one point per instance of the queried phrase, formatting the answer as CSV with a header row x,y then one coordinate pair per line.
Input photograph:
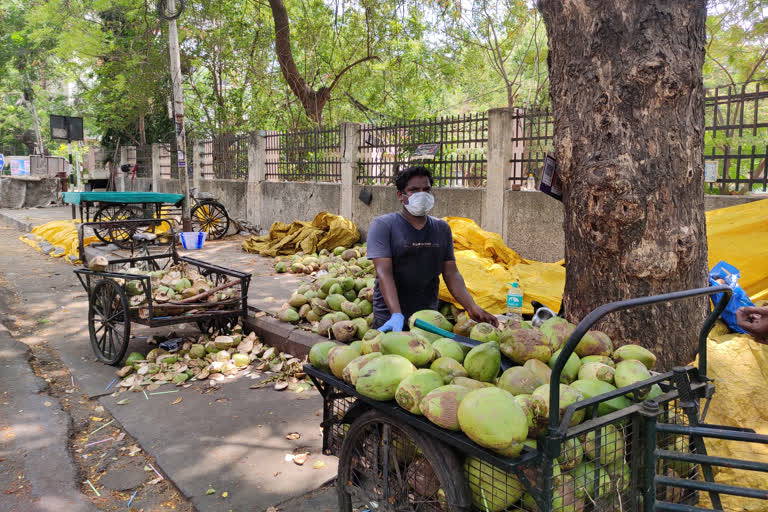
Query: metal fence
x,y
535,137
736,137
224,157
460,159
308,155
14,150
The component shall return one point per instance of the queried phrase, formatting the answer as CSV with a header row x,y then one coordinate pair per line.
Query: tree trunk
x,y
628,100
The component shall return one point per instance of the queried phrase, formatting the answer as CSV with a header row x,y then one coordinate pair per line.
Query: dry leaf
x,y
155,481
123,402
301,458
272,509
293,436
318,464
280,385
47,404
178,400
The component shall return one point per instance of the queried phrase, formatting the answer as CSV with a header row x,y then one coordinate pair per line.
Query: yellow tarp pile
x,y
738,235
739,366
58,239
327,231
487,265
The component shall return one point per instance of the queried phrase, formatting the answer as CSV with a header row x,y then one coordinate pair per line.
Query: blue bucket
x,y
192,240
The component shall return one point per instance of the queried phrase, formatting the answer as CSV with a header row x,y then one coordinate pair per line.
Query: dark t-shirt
x,y
417,256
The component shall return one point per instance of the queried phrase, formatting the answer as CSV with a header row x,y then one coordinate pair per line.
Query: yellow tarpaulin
x,y
487,265
61,235
739,367
326,231
739,235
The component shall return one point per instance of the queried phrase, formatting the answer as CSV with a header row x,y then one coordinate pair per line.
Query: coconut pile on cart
x,y
547,418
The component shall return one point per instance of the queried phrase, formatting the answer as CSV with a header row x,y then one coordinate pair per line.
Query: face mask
x,y
420,203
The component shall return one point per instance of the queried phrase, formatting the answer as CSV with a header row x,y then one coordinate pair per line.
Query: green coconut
x,y
492,418
415,387
380,378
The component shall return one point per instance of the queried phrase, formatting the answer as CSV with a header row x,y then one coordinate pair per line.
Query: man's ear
x,y
399,196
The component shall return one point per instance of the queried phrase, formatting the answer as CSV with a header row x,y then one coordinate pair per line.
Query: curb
x,y
285,337
24,227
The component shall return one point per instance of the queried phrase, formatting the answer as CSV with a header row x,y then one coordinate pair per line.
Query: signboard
x,y
550,181
66,128
425,151
19,166
710,171
2,161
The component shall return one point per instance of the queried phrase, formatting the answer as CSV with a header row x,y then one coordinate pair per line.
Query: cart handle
x,y
126,222
598,313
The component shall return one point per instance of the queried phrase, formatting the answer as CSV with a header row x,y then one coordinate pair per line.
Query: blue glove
x,y
394,324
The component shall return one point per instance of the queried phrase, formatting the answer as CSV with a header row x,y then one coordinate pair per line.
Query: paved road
x,y
230,439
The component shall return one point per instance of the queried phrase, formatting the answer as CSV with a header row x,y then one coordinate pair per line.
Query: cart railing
x,y
130,226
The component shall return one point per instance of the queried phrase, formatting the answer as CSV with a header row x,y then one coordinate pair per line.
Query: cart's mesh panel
x,y
491,488
336,408
672,413
388,467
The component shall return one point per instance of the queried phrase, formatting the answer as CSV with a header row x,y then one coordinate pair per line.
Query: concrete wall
x,y
533,225
231,193
286,201
449,202
28,192
715,202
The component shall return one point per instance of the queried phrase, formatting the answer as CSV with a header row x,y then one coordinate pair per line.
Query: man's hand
x,y
478,314
394,324
754,320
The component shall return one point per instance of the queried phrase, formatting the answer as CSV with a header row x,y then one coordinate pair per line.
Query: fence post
x,y
155,167
257,173
500,131
196,150
120,185
350,156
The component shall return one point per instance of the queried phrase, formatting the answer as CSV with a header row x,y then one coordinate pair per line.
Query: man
x,y
754,320
410,250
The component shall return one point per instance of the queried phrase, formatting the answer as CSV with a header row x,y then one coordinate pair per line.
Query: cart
x,y
646,457
112,310
207,215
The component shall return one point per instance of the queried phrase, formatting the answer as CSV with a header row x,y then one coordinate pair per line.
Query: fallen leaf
x,y
123,402
293,436
47,404
210,491
300,459
280,385
155,481
178,400
96,418
272,509
318,464
224,494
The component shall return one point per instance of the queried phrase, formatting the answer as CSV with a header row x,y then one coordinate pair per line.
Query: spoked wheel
x,y
217,323
388,466
210,217
109,323
120,236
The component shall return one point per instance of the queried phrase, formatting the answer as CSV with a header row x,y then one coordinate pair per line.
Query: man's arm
x,y
387,286
458,289
754,320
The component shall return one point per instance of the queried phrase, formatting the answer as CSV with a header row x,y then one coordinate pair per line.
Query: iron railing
x,y
307,155
460,161
736,137
533,131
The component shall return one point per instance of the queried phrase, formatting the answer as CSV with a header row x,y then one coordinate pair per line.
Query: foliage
x,y
426,59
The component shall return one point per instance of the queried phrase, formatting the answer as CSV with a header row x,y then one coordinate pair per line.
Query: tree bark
x,y
628,101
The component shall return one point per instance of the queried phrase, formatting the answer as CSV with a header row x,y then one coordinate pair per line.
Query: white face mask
x,y
420,203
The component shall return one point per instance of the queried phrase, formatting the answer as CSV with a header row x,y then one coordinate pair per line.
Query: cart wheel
x,y
119,236
212,218
386,465
217,323
108,321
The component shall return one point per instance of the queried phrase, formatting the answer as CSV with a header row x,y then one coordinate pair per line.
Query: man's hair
x,y
403,177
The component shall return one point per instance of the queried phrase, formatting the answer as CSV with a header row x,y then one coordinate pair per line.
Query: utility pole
x,y
178,109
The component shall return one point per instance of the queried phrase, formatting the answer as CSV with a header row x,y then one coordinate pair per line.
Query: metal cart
x,y
649,456
208,215
110,312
